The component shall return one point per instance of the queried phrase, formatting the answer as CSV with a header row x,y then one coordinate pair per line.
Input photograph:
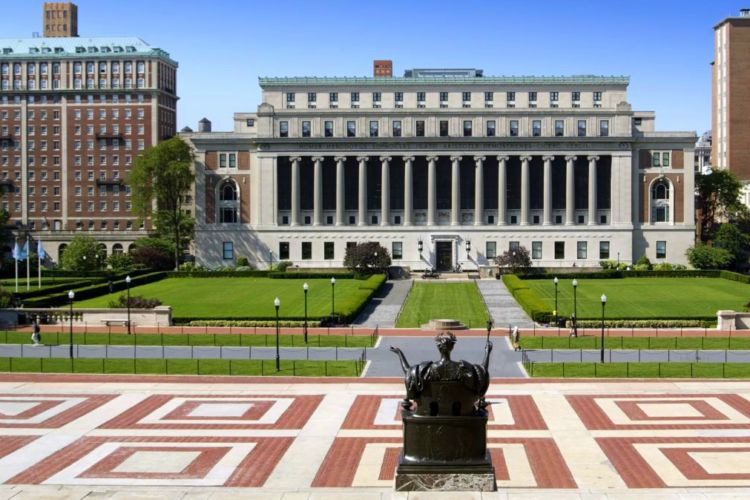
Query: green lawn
x,y
222,298
593,342
640,370
644,297
426,301
184,366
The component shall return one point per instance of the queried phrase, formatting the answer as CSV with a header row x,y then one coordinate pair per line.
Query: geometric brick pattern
x,y
46,411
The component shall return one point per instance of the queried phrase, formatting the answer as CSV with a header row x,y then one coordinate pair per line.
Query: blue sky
x,y
665,46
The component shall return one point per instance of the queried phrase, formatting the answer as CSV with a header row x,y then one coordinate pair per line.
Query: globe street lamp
x,y
556,281
604,302
277,304
575,309
333,296
71,296
305,288
127,284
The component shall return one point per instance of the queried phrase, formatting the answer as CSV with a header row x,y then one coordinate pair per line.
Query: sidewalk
x,y
503,308
383,308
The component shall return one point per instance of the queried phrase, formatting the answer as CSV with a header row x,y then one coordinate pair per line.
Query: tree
x,y
154,253
718,196
163,176
367,258
82,254
732,239
702,256
517,260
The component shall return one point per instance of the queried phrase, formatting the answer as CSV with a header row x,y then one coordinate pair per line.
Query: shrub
x,y
120,261
252,323
136,302
517,261
282,266
643,264
154,253
702,256
82,254
367,258
6,298
242,261
608,264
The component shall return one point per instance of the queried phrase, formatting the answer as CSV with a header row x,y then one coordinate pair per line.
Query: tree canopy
x,y
367,258
718,198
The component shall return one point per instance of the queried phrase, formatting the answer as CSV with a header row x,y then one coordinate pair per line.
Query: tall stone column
x,y
295,190
362,205
408,191
525,190
431,190
592,190
340,190
385,191
455,190
317,190
570,190
502,188
479,190
547,217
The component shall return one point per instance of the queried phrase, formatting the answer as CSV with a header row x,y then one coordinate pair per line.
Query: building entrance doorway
x,y
444,255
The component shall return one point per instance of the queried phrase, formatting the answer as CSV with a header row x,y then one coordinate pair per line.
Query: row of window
x,y
44,68
466,99
31,174
91,225
443,129
77,161
78,84
77,99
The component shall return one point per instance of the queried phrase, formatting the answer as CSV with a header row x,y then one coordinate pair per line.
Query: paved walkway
x,y
503,307
79,436
383,308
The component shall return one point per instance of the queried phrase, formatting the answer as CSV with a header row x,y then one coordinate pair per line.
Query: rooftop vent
x,y
7,50
129,48
117,48
59,50
80,50
204,125
745,12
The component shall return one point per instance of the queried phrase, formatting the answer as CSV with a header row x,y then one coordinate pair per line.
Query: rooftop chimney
x,y
204,125
382,68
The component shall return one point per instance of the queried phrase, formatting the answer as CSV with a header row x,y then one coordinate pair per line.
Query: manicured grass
x,y
184,367
594,342
249,297
197,339
460,301
640,370
645,297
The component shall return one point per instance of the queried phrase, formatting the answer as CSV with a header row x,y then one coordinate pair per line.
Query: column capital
x,y
571,158
456,158
317,158
362,158
592,158
294,159
526,158
407,158
339,158
548,158
385,159
432,158
502,158
479,158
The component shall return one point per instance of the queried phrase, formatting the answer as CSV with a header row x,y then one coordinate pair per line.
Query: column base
x,y
502,223
478,223
592,224
524,224
362,224
570,223
547,223
385,224
407,224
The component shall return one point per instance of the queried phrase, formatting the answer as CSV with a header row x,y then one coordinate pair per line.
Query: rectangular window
x,y
284,250
376,98
513,246
491,128
312,97
655,159
306,128
661,249
511,98
328,250
443,128
396,128
581,128
576,96
420,128
351,128
232,160
228,250
532,99
554,97
491,249
597,97
513,129
420,97
222,160
467,128
290,97
536,250
398,97
604,250
284,129
306,250
536,128
581,249
604,128
355,98
328,128
665,159
443,97
489,96
333,97
559,250
397,250
374,128
559,128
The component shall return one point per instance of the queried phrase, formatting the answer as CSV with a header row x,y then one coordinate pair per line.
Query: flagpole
x,y
28,271
16,259
39,266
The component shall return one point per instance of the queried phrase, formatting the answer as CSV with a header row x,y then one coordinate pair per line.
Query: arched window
x,y
116,249
660,201
131,247
229,202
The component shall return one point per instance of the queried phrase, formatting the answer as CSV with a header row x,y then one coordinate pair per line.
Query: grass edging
x,y
638,370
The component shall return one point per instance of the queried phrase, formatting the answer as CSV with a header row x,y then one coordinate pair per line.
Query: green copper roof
x,y
445,80
78,47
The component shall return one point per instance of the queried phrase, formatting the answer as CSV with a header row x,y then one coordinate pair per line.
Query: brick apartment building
x,y
75,112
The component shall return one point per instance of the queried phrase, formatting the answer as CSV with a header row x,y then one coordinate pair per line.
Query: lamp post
x,y
604,302
127,285
489,328
556,281
305,288
277,304
575,309
71,296
333,296
420,247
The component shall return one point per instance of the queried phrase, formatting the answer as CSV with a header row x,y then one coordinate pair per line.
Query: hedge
x,y
706,322
251,323
63,287
309,275
729,275
88,292
217,274
527,299
609,274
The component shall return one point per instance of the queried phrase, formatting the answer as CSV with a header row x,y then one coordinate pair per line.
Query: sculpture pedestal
x,y
446,453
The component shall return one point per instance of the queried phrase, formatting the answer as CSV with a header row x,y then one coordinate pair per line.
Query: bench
x,y
110,321
430,274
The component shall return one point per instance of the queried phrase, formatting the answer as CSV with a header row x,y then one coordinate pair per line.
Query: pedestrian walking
x,y
111,286
516,338
573,326
36,334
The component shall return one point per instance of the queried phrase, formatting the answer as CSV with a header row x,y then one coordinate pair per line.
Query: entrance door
x,y
444,255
